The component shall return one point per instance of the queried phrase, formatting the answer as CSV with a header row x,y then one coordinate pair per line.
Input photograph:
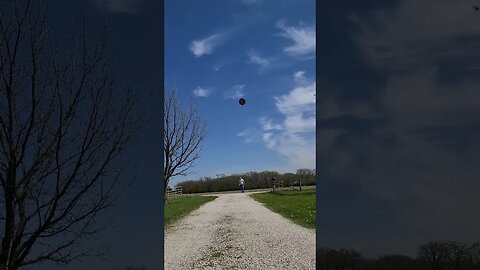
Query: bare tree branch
x,y
184,133
64,128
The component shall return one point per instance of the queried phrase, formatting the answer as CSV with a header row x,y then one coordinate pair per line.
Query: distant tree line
x,y
448,255
253,180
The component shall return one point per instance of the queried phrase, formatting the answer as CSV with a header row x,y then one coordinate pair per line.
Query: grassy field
x,y
178,207
298,206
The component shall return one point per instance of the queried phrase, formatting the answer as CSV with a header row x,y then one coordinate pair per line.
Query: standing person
x,y
242,184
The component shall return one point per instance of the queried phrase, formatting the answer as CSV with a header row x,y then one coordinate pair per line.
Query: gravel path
x,y
236,232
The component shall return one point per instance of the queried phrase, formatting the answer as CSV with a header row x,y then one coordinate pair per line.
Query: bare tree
x,y
63,130
184,133
474,255
457,255
342,259
434,254
302,174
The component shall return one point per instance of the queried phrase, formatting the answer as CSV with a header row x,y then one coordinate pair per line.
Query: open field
x,y
178,207
298,206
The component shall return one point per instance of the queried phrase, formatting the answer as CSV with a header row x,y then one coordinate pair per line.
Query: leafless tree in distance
x,y
64,126
303,174
434,254
184,133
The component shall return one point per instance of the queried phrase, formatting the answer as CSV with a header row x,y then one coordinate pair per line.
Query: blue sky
x,y
261,50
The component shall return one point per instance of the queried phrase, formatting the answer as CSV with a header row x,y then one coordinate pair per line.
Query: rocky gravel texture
x,y
236,232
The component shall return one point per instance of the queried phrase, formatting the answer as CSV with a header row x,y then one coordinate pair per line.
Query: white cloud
x,y
267,124
268,139
235,92
300,123
294,135
303,39
299,151
119,6
251,135
201,92
300,79
206,45
299,75
299,100
267,63
254,58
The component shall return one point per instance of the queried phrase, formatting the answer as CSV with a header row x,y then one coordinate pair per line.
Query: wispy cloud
x,y
201,92
255,58
206,45
251,135
119,6
235,92
293,136
263,63
299,76
267,124
303,38
300,99
268,63
299,150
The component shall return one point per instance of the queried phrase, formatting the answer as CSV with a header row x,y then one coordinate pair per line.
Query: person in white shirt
x,y
242,184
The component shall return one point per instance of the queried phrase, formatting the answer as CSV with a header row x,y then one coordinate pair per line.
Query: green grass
x,y
298,206
178,207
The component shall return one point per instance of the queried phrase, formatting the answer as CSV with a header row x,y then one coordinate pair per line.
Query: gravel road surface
x,y
236,232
